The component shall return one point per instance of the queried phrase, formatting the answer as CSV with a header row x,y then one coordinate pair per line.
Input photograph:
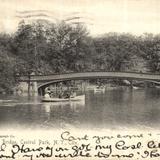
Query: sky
x,y
100,16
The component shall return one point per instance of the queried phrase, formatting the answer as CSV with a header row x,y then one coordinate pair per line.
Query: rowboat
x,y
101,89
77,98
134,87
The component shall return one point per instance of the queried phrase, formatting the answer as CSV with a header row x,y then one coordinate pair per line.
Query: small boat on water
x,y
134,87
77,98
99,89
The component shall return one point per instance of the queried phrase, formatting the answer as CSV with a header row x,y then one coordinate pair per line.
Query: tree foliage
x,y
150,47
7,65
47,48
114,51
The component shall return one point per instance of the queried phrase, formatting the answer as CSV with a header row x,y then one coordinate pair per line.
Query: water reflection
x,y
112,109
62,114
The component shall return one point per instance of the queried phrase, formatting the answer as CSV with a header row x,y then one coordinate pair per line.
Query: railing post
x,y
145,84
56,88
40,92
29,84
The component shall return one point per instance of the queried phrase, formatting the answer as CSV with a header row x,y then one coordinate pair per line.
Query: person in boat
x,y
73,94
60,95
52,94
47,92
66,94
47,95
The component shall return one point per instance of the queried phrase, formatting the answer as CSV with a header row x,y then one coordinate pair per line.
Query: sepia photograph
x,y
79,79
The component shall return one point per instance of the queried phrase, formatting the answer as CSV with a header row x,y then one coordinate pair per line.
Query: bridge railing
x,y
145,73
85,75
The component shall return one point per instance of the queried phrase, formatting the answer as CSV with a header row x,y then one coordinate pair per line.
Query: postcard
x,y
79,79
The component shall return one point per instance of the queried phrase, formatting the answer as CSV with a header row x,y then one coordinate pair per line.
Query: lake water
x,y
114,109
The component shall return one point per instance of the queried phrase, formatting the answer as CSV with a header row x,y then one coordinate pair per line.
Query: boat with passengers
x,y
63,97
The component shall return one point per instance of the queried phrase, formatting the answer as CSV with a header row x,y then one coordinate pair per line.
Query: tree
x,y
114,50
7,72
30,46
150,46
68,47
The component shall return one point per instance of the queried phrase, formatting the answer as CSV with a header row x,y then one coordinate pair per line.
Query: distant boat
x,y
91,87
134,87
99,89
77,98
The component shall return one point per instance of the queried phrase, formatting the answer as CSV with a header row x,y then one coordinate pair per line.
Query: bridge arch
x,y
46,84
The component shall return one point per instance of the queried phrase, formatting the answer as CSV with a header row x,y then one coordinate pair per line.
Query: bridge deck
x,y
88,75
